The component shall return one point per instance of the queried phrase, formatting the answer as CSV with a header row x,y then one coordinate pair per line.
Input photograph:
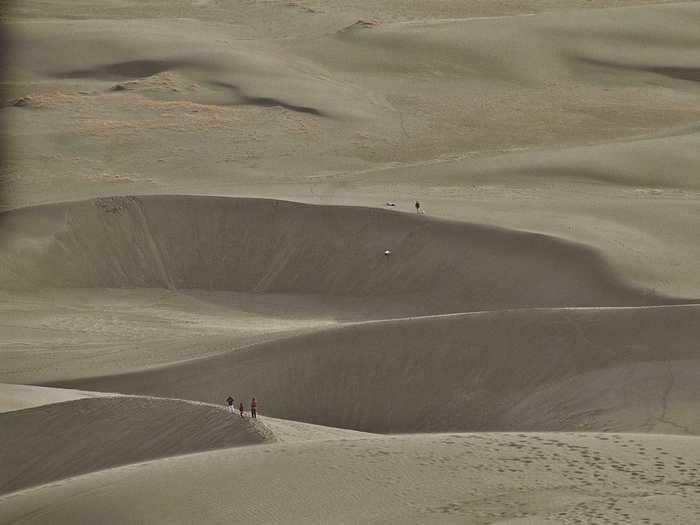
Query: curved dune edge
x,y
482,478
65,439
269,246
624,369
289,431
20,397
57,334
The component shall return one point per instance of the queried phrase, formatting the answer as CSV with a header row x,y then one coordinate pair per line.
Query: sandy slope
x,y
230,102
199,276
262,246
267,267
556,369
57,333
443,478
567,128
64,439
19,397
289,431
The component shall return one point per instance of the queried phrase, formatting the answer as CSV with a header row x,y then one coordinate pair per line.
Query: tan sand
x,y
289,431
239,272
20,397
442,478
64,439
57,333
631,369
422,85
262,246
197,205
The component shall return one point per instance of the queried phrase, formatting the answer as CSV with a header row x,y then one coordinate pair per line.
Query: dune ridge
x,y
208,198
625,369
19,397
65,439
407,90
276,246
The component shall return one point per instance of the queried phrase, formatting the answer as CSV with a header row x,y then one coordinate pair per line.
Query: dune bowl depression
x,y
448,247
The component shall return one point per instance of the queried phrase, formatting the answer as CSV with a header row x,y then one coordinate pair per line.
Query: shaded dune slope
x,y
251,245
61,440
554,369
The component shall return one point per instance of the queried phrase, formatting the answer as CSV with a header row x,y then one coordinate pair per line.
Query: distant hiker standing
x,y
229,400
418,207
241,408
253,409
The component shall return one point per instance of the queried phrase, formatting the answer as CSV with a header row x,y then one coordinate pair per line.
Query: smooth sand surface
x,y
632,369
198,200
114,285
298,101
19,397
290,431
51,334
440,478
64,439
262,246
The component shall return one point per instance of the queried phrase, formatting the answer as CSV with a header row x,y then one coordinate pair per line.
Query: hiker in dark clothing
x,y
229,400
417,207
253,409
241,408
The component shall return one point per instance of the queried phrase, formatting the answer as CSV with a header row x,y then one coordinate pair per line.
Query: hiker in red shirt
x,y
253,409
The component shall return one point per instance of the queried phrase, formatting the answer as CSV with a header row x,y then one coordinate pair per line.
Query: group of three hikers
x,y
253,407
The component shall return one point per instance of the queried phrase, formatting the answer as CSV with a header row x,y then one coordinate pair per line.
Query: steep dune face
x,y
561,369
65,439
186,242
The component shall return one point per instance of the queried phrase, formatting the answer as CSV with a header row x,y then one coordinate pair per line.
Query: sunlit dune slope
x,y
445,478
632,369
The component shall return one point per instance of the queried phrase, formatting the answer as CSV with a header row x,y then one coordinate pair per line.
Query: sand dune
x,y
275,19
185,242
629,199
408,89
443,478
289,431
661,162
52,334
191,277
178,60
555,369
61,440
197,205
20,397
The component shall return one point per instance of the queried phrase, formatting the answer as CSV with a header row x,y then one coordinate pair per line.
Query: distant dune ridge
x,y
216,243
